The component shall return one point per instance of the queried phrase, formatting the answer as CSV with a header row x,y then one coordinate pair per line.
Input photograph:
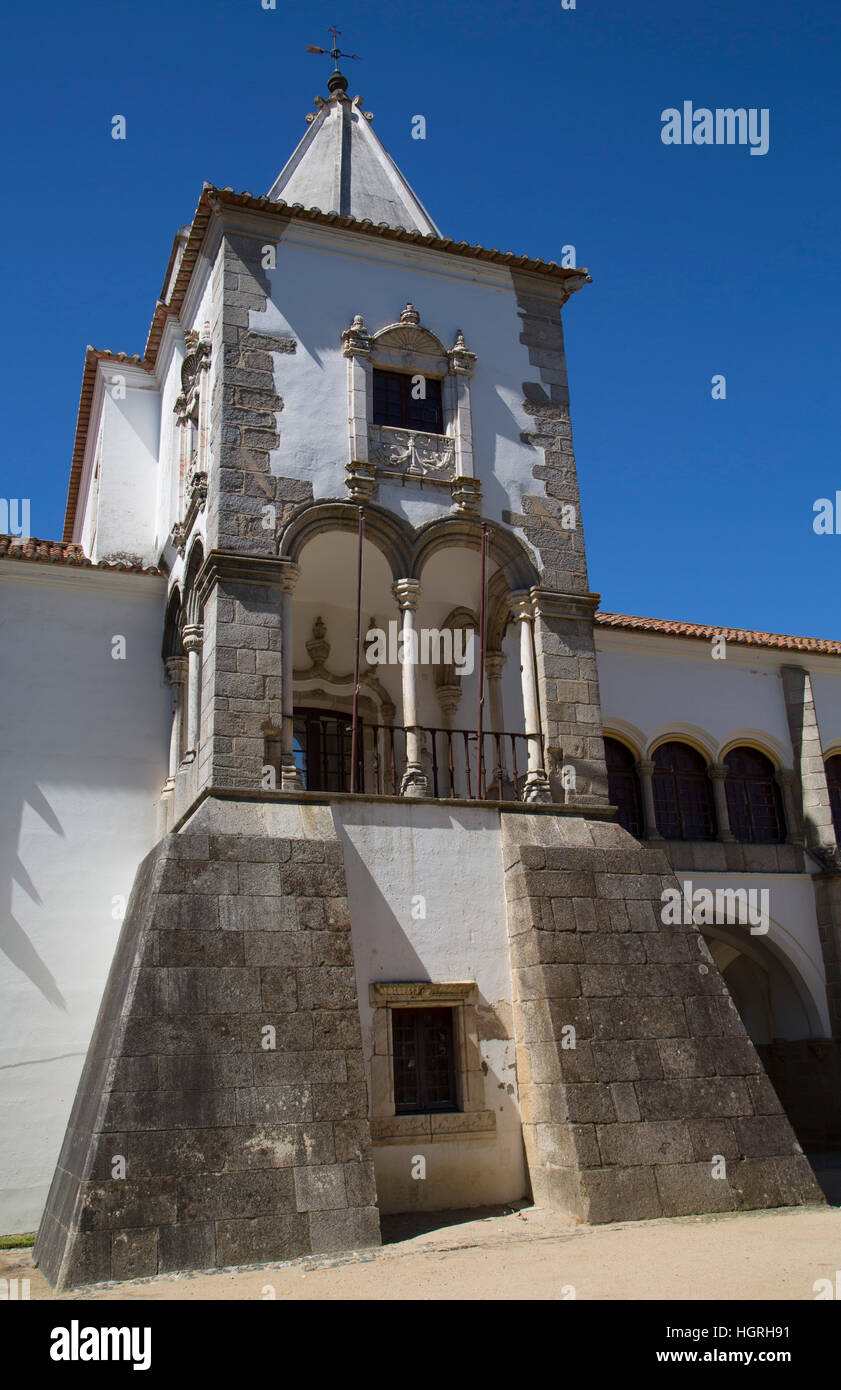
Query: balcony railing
x,y
447,756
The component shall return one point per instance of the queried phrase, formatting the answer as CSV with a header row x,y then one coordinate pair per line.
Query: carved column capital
x,y
407,592
467,496
176,669
645,767
717,771
449,698
494,662
191,637
521,605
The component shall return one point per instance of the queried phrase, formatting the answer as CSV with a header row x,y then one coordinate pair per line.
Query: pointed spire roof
x,y
341,166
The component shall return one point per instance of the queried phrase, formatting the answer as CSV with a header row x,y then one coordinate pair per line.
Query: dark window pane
x,y
388,399
395,402
683,796
623,785
424,1061
754,802
322,744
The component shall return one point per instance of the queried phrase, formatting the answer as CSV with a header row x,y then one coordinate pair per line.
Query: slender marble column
x,y
414,783
176,670
645,772
192,640
717,773
537,783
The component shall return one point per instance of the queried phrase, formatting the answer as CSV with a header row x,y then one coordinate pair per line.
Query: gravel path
x,y
528,1253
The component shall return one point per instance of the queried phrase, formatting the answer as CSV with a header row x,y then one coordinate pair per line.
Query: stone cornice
x,y
553,605
405,991
224,566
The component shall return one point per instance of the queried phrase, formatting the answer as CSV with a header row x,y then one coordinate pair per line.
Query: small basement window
x,y
395,404
424,1061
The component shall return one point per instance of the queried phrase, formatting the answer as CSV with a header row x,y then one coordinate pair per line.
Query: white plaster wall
x,y
128,483
320,283
83,742
168,449
453,860
654,686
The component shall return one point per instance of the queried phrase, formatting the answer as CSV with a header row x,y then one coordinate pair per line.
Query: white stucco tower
x,y
383,889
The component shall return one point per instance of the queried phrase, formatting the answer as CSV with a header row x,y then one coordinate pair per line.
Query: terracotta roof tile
x,y
62,553
738,635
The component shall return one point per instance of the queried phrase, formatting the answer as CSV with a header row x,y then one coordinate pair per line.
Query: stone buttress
x,y
636,1075
222,1113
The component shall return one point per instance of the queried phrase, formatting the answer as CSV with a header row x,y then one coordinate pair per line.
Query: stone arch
x,y
409,344
192,600
387,532
764,743
173,624
768,956
498,614
623,732
504,548
692,734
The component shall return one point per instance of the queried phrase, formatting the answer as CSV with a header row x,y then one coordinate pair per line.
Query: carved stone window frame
x,y
472,1120
192,413
418,458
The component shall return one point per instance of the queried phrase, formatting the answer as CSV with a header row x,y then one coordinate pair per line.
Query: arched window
x,y
754,803
833,780
623,786
683,794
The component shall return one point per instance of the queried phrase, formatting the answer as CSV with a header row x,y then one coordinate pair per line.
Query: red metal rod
x,y
360,539
480,743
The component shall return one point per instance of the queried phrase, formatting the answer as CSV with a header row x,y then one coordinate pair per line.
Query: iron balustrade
x,y
449,755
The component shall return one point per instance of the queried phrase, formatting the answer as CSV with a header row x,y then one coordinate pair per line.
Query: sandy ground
x,y
527,1253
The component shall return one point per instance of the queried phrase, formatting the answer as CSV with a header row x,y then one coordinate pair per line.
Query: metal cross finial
x,y
335,52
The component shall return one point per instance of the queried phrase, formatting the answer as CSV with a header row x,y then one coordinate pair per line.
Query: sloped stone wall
x,y
232,1152
629,1115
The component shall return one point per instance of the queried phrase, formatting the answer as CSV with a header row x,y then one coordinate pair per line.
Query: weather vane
x,y
335,52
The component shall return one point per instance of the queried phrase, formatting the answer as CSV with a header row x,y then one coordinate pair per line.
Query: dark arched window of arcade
x,y
833,780
754,803
622,785
683,795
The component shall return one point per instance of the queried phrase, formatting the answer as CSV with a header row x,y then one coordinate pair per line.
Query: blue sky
x,y
543,129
